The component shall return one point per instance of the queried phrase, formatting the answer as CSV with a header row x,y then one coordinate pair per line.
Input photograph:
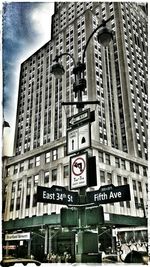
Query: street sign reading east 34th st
x,y
56,195
109,194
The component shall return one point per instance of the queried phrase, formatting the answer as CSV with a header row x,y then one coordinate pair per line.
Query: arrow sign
x,y
78,118
56,195
109,194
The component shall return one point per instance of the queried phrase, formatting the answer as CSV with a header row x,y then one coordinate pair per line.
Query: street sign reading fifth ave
x,y
109,194
56,195
78,171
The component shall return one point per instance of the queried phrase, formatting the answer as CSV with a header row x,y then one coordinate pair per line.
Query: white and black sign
x,y
78,118
78,139
109,194
17,236
78,171
56,195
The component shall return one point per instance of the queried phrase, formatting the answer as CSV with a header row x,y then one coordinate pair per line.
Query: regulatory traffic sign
x,y
109,194
78,118
78,171
78,138
56,195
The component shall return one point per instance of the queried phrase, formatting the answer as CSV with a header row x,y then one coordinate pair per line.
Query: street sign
x,y
17,236
56,195
78,118
78,171
109,194
78,139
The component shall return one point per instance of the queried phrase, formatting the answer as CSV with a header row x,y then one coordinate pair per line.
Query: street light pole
x,y
104,37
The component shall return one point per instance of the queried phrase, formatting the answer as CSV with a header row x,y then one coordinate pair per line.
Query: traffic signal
x,y
94,216
68,217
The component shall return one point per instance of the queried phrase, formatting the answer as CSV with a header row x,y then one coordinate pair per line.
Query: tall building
x,y
117,77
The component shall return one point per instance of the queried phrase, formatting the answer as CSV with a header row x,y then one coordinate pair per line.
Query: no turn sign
x,y
78,171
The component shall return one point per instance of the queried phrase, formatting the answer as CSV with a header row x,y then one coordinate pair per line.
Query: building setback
x,y
116,77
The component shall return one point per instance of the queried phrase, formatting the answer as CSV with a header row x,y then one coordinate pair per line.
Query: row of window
x,y
35,161
121,163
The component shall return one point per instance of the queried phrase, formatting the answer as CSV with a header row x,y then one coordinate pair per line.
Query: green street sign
x,y
56,195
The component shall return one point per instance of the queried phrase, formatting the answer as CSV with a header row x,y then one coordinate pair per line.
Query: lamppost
x,y
104,38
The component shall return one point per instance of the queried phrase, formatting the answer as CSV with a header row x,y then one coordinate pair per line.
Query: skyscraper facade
x,y
117,77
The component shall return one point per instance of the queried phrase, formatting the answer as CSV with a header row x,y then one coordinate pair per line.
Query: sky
x,y
26,26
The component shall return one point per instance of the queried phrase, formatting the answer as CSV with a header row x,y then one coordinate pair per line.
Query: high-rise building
x,y
117,77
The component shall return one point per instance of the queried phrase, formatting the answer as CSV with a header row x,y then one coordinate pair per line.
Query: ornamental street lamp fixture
x,y
104,38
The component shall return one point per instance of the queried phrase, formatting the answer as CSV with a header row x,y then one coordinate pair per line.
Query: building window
x,y
125,180
36,179
34,200
31,163
66,171
107,158
101,156
37,161
131,167
140,186
102,176
128,204
54,154
29,182
134,185
136,202
12,205
54,175
144,171
46,177
19,185
13,186
109,178
119,180
117,163
15,169
136,168
27,201
21,166
123,164
18,203
47,157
